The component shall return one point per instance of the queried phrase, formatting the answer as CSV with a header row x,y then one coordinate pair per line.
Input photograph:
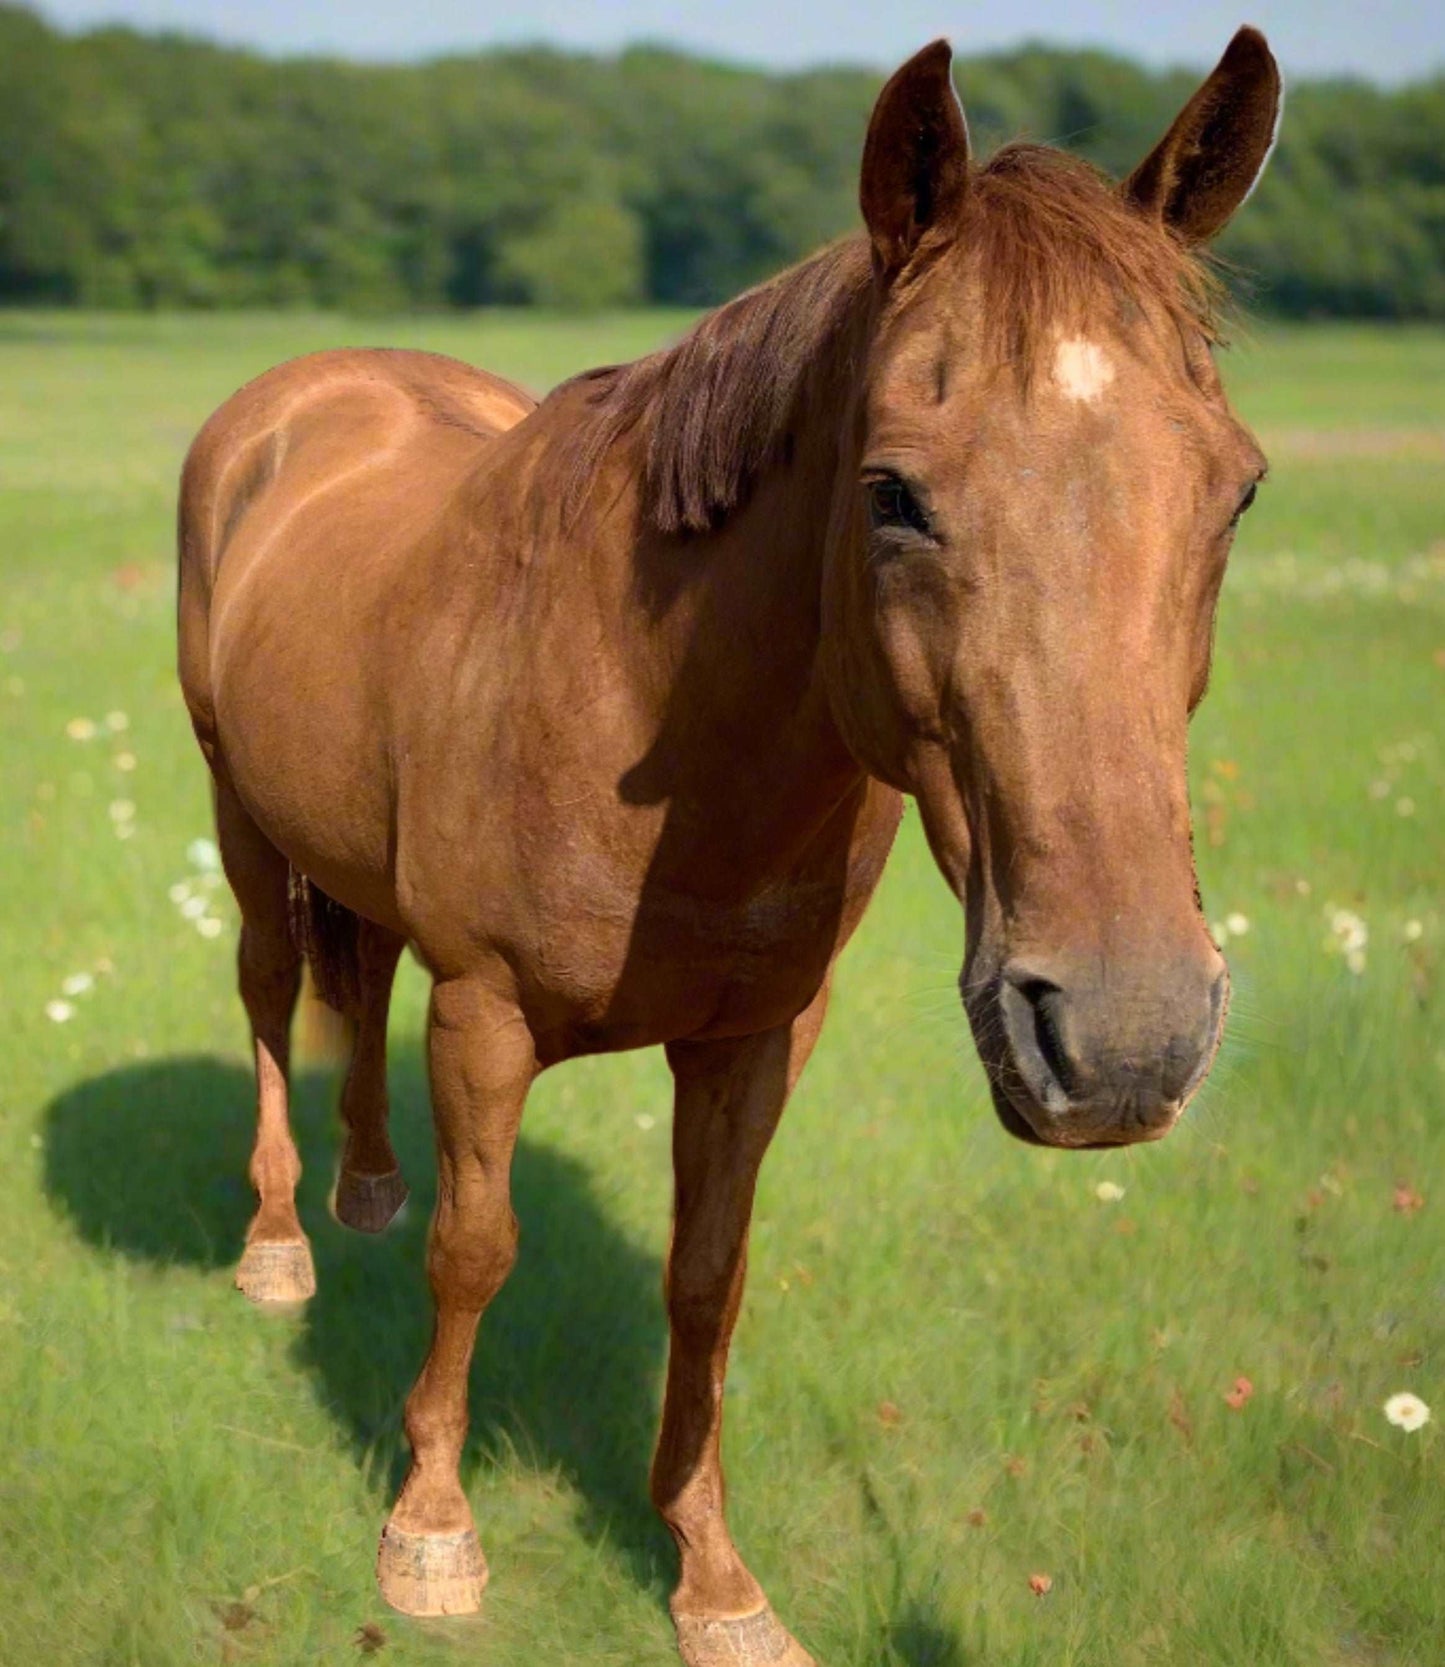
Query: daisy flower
x,y
1407,1412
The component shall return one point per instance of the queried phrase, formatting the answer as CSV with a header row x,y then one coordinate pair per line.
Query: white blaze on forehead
x,y
1082,369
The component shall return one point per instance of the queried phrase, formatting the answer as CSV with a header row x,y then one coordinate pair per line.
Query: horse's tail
x,y
326,934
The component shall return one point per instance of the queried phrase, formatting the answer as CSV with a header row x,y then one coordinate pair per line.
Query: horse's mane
x,y
1046,233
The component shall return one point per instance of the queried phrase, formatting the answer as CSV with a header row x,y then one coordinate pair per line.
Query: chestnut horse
x,y
607,706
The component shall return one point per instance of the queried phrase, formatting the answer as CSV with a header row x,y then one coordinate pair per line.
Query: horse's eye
x,y
892,507
1245,502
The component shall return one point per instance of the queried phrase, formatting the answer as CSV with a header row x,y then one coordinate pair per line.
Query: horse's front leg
x,y
482,1063
730,1095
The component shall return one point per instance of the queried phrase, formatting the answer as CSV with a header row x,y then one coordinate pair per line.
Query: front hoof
x,y
431,1574
757,1640
368,1203
276,1273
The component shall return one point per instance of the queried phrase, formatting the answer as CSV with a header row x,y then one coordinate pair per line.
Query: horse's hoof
x,y
431,1574
758,1640
368,1203
273,1272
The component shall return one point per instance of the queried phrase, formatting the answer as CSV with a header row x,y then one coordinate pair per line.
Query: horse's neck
x,y
729,649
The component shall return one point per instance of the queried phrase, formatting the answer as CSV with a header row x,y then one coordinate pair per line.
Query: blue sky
x,y
1389,40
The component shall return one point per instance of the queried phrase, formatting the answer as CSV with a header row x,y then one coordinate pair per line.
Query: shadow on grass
x,y
150,1161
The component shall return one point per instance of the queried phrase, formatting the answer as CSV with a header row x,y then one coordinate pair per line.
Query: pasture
x,y
961,1363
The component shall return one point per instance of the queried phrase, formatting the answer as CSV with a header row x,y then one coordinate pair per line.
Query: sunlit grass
x,y
958,1365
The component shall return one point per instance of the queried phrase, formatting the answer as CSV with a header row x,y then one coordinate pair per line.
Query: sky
x,y
1387,40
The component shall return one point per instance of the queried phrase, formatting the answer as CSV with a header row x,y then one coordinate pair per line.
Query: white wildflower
x,y
179,892
80,729
59,1011
1350,931
209,926
77,984
1413,931
194,907
116,721
1236,924
125,761
202,854
1407,1412
122,810
1108,1192
645,1120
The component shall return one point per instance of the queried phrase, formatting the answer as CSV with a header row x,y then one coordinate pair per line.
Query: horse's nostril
x,y
1033,1016
1047,1001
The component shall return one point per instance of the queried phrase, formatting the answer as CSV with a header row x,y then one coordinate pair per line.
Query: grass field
x,y
958,1365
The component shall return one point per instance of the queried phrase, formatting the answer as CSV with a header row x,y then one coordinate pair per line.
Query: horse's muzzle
x,y
1099,1062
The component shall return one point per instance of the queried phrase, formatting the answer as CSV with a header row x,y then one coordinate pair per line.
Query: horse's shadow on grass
x,y
150,1161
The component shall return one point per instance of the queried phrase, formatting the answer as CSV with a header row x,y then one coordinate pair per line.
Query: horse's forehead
x,y
1081,368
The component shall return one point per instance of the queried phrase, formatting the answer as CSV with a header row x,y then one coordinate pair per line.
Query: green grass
x,y
1052,1361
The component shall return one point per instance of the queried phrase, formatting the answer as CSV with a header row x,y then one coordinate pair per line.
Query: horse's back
x,y
402,422
310,420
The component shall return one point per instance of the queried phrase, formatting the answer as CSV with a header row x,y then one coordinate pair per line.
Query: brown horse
x,y
607,706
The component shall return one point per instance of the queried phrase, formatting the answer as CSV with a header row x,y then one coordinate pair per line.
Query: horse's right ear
x,y
915,159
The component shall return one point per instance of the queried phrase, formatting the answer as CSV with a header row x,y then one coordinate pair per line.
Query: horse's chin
x,y
1013,1120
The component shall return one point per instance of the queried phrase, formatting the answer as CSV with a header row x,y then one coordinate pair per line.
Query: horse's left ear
x,y
915,158
1207,163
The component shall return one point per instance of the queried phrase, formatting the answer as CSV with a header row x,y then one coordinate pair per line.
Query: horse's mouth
x,y
1080,1132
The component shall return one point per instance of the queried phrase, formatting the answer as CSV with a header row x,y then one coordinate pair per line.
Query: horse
x,y
608,704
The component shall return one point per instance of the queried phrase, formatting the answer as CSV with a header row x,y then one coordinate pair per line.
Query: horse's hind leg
x,y
730,1094
276,1264
369,1187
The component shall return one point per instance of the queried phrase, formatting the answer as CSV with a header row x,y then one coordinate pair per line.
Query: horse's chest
x,y
668,962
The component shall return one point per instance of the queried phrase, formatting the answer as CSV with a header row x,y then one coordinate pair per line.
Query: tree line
x,y
141,171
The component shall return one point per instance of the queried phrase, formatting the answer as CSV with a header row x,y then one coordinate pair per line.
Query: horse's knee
x,y
473,1249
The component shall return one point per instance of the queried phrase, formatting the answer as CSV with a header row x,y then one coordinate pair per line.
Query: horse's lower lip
x,y
1078,1130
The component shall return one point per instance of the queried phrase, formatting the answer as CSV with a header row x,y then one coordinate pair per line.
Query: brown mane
x,y
1046,233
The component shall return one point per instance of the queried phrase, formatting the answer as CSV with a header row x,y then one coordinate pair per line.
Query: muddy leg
x,y
276,1264
482,1064
369,1187
729,1097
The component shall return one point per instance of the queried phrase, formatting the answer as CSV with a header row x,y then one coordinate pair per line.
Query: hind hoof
x,y
368,1203
758,1640
431,1574
280,1273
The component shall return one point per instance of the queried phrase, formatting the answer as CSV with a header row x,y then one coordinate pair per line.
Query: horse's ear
x,y
915,159
1207,163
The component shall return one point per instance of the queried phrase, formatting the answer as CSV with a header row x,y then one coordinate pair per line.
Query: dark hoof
x,y
368,1203
431,1574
